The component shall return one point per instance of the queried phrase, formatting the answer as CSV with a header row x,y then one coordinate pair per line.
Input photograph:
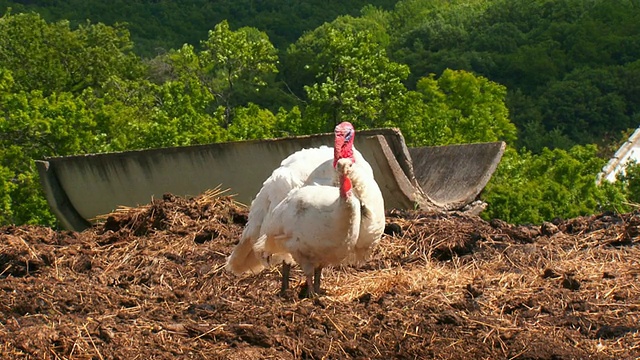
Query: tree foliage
x,y
529,188
31,127
355,80
51,57
561,61
158,26
557,80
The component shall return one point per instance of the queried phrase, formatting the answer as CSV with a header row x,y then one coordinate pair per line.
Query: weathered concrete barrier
x,y
80,188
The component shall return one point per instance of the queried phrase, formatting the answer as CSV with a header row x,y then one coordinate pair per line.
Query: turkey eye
x,y
349,135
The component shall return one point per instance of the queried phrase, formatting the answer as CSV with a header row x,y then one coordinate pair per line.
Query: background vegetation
x,y
559,81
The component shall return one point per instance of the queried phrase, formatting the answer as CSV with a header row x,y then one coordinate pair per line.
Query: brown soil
x,y
149,283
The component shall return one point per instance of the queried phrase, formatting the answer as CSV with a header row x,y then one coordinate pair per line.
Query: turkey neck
x,y
345,187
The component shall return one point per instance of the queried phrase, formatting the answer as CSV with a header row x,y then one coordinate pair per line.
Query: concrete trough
x,y
80,188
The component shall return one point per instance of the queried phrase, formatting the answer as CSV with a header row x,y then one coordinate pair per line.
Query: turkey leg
x,y
286,268
310,286
317,276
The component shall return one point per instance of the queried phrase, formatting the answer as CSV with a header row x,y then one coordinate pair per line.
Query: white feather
x,y
309,167
313,224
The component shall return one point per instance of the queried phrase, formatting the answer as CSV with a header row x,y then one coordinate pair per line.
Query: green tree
x,y
233,67
458,107
53,58
628,181
122,111
252,122
236,58
529,188
433,35
356,81
289,122
157,26
7,188
32,127
303,60
551,54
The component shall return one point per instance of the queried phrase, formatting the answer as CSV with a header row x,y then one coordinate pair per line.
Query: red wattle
x,y
345,186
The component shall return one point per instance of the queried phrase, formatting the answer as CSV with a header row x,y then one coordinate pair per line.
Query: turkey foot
x,y
311,288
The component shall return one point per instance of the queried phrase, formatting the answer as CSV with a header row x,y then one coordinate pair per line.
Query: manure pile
x,y
149,283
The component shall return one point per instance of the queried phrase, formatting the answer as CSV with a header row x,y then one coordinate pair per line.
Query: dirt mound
x,y
149,282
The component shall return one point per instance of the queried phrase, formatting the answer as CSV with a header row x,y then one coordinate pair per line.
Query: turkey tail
x,y
243,259
361,254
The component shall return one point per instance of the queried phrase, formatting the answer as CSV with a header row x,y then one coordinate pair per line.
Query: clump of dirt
x,y
149,282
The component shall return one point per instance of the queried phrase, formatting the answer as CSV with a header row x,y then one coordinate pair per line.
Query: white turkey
x,y
307,167
317,225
